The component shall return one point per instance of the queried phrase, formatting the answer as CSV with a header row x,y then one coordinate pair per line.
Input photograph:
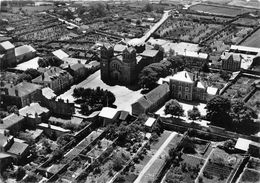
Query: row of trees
x,y
28,75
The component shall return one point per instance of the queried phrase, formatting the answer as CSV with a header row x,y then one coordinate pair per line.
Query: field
x,y
187,171
218,10
250,176
185,29
241,88
253,40
246,21
220,166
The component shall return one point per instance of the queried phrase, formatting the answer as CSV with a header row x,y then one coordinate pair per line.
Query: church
x,y
122,63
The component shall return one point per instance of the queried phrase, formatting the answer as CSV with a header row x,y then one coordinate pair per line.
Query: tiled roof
x,y
10,120
30,64
21,50
7,45
17,148
153,96
48,93
24,88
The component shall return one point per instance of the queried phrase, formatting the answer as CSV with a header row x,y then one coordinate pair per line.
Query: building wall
x,y
231,65
181,90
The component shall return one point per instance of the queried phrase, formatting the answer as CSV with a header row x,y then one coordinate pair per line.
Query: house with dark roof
x,y
54,78
21,94
9,146
151,101
78,71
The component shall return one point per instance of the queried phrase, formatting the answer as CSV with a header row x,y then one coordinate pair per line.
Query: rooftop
x,y
212,90
150,121
17,148
244,48
108,112
193,54
242,144
183,76
149,53
32,110
30,64
135,42
48,93
119,47
7,45
22,89
60,54
11,120
57,128
21,50
51,73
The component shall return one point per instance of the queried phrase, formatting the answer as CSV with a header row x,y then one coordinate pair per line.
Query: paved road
x,y
156,155
156,26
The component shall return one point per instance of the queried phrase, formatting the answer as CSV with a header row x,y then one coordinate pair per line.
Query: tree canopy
x,y
194,113
218,109
173,108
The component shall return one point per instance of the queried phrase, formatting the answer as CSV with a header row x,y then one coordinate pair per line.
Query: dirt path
x,y
152,160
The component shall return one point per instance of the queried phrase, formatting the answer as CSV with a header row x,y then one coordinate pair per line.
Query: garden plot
x,y
254,102
186,30
247,21
230,36
187,171
202,148
220,166
250,176
240,88
99,148
111,165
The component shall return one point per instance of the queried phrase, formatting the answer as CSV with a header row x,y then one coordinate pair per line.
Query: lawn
x,y
254,102
253,40
246,21
124,96
250,176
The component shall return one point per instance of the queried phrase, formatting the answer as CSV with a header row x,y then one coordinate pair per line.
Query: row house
x,y
54,78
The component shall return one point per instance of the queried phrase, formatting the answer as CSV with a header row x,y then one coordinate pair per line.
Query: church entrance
x,y
116,76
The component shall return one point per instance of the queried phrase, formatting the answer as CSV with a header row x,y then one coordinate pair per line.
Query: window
x,y
180,88
186,89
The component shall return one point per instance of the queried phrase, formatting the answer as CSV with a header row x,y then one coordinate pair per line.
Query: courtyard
x,y
124,96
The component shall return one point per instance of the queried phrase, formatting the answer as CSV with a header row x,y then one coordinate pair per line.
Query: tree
x,y
218,109
32,72
20,173
188,146
148,7
194,113
117,163
173,108
138,22
12,109
243,117
24,77
224,75
148,78
177,62
205,67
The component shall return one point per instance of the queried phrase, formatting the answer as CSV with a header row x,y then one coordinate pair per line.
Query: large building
x,y
21,94
122,63
7,55
54,78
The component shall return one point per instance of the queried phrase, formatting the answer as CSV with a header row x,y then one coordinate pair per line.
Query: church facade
x,y
124,67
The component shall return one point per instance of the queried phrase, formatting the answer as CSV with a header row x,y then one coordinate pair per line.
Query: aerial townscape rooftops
x,y
130,91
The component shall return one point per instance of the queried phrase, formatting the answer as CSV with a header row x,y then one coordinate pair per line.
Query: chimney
x,y
55,69
185,75
79,61
16,92
42,76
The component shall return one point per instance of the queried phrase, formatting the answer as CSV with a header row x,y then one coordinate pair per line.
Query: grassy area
x,y
253,40
219,10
